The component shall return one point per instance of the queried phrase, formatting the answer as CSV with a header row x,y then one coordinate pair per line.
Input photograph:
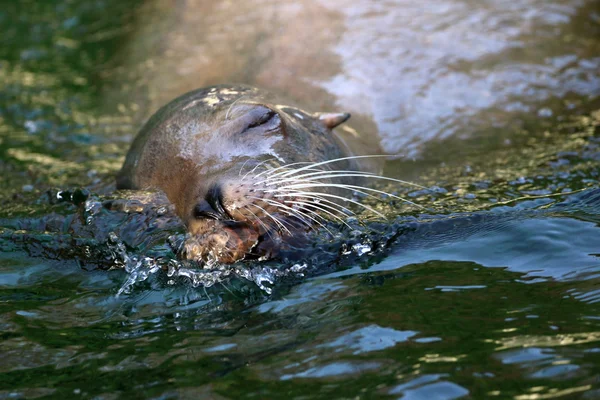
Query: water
x,y
491,291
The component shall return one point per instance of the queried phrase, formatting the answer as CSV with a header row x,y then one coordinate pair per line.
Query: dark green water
x,y
494,295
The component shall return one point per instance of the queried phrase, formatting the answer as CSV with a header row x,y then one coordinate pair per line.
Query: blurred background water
x,y
494,106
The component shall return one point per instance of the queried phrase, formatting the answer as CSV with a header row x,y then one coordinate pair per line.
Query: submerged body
x,y
240,169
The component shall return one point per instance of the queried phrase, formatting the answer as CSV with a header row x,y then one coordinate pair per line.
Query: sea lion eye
x,y
262,119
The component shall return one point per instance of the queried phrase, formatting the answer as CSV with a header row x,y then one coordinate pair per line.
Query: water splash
x,y
352,240
190,272
138,269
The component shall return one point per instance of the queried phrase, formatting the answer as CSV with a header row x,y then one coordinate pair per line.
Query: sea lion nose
x,y
203,209
211,206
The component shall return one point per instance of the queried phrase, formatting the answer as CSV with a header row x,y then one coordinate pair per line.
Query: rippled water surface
x,y
491,291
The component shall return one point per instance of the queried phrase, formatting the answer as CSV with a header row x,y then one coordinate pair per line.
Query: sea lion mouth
x,y
229,245
220,241
229,242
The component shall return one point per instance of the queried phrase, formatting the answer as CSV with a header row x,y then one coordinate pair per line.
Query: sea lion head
x,y
234,161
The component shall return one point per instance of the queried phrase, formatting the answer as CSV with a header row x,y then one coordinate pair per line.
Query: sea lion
x,y
246,174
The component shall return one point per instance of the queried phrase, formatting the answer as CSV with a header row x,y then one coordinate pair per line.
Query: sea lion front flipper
x,y
331,120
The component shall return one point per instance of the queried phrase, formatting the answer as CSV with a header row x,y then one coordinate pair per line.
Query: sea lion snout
x,y
229,220
211,206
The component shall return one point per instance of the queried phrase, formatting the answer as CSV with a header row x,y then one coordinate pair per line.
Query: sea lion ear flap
x,y
331,120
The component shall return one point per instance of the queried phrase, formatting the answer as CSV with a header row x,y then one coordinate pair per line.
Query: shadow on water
x,y
490,291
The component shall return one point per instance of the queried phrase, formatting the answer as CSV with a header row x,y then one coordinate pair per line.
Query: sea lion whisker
x,y
341,174
288,210
242,168
269,171
275,181
267,229
359,189
316,214
329,171
299,193
276,204
329,162
294,211
284,167
315,196
305,205
353,189
315,182
276,220
285,174
270,181
321,203
258,165
282,221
